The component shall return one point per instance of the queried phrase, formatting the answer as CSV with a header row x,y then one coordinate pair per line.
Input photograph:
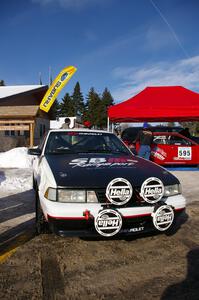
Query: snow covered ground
x,y
15,180
16,194
15,170
16,158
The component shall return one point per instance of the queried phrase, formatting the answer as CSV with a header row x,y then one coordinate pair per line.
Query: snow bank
x,y
16,158
15,180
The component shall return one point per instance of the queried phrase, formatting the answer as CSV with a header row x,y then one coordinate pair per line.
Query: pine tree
x,y
2,83
197,128
107,101
78,100
93,108
54,110
102,117
107,98
66,107
193,127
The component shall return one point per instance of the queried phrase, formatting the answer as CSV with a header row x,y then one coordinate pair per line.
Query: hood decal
x,y
100,162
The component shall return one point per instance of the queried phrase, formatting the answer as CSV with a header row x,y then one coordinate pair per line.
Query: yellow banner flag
x,y
56,86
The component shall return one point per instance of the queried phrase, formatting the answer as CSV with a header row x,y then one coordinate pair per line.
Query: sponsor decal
x,y
176,158
55,88
100,162
132,230
89,133
108,222
152,190
157,155
163,217
62,174
161,151
184,153
119,191
136,229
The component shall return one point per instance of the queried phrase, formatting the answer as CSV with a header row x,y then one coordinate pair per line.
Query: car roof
x,y
135,128
174,134
79,129
166,133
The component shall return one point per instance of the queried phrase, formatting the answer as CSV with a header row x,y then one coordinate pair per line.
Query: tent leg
x,y
112,127
108,124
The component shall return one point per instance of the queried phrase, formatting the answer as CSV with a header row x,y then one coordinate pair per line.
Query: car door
x,y
174,149
183,150
159,150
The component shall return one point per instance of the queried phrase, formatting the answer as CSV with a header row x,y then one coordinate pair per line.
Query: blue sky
x,y
124,45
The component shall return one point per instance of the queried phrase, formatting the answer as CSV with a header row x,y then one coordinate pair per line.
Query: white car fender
x,y
45,178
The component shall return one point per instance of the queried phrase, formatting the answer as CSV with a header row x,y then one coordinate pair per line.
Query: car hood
x,y
97,170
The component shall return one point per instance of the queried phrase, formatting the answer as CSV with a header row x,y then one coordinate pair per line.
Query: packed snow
x,y
15,180
16,158
15,170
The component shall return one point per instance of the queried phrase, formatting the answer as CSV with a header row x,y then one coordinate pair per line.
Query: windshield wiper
x,y
61,151
121,152
67,151
94,151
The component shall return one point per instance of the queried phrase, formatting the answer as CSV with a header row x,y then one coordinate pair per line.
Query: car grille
x,y
135,200
101,195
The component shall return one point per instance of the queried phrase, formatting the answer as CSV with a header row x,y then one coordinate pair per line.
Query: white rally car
x,y
88,182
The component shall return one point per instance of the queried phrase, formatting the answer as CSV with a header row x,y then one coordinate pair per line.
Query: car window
x,y
177,140
130,133
161,139
80,142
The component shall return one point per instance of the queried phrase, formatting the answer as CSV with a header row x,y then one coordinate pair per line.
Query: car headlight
x,y
51,194
70,196
91,197
171,190
76,196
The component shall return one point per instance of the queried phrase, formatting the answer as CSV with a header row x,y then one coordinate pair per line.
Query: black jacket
x,y
145,137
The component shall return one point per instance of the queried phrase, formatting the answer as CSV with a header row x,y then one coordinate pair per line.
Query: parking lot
x,y
50,267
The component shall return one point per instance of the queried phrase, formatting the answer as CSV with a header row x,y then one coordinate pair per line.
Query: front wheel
x,y
42,225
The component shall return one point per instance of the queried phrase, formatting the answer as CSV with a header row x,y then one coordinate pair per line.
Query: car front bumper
x,y
86,228
68,219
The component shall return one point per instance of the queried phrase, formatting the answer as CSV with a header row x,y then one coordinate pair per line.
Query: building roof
x,y
7,91
18,111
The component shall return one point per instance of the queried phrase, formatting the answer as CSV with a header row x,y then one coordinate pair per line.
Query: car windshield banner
x,y
55,88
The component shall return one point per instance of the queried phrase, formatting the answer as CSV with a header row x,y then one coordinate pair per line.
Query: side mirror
x,y
34,151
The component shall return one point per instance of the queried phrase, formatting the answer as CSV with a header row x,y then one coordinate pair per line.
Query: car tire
x,y
34,185
42,225
178,222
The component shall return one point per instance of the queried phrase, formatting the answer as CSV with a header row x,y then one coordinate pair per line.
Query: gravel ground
x,y
50,267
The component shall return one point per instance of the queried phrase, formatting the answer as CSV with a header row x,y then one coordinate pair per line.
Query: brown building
x,y
22,123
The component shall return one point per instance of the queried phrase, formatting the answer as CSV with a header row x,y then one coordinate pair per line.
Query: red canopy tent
x,y
158,104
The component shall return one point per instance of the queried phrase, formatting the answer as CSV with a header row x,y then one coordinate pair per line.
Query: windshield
x,y
83,142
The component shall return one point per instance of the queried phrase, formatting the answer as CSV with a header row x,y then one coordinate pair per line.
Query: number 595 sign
x,y
184,152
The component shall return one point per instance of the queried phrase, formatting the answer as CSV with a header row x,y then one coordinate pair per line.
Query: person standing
x,y
66,124
145,139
